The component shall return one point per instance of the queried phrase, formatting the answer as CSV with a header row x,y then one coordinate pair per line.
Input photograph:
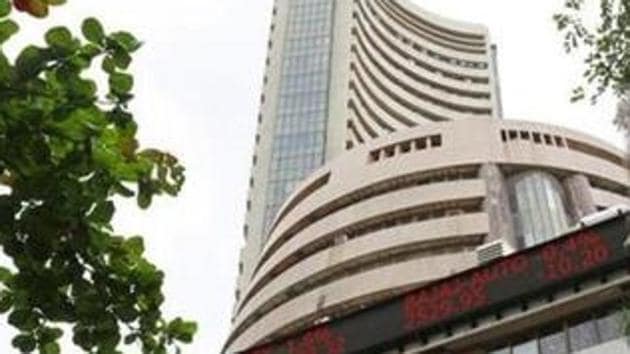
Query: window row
x,y
405,147
405,69
412,90
423,50
571,337
554,140
536,137
414,59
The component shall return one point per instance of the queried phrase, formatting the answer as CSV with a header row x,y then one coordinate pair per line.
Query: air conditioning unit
x,y
493,250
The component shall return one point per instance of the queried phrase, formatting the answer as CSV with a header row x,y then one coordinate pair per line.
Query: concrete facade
x,y
392,66
406,209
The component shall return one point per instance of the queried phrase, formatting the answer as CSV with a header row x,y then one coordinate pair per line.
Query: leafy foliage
x,y
608,45
65,153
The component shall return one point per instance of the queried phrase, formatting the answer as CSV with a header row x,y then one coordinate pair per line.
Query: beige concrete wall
x,y
388,278
441,34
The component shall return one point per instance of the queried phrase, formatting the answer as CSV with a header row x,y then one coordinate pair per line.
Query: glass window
x,y
583,335
538,206
554,343
530,347
300,122
610,326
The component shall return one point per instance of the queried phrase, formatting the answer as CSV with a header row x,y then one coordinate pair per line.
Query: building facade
x,y
566,295
342,73
382,163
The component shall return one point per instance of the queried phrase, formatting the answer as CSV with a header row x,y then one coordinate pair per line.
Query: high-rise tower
x,y
341,73
381,164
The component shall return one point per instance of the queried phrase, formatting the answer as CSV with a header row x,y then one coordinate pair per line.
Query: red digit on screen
x,y
549,255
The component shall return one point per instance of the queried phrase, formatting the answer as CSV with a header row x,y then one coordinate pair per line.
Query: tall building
x,y
382,163
340,74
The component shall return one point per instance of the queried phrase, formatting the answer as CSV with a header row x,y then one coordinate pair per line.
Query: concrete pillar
x,y
579,197
497,206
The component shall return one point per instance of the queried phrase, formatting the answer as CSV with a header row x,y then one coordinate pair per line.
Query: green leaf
x,y
5,67
126,40
5,275
5,8
103,213
23,320
50,348
6,301
122,59
134,245
7,29
120,83
108,65
59,37
145,194
25,343
49,335
93,30
99,240
182,330
31,61
80,124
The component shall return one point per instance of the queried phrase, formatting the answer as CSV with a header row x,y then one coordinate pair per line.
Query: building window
x,y
538,207
375,155
421,144
436,141
583,335
300,117
559,141
530,347
405,147
554,343
610,326
573,337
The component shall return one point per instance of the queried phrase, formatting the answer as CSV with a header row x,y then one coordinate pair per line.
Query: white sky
x,y
197,83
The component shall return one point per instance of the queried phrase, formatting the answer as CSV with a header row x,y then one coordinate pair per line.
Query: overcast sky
x,y
197,83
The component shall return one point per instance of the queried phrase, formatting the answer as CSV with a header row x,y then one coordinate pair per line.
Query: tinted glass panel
x,y
555,343
538,207
583,335
530,347
300,124
610,326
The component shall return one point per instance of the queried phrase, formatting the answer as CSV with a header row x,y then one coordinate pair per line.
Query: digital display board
x,y
474,292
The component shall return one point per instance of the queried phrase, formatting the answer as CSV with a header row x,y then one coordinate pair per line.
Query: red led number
x,y
575,255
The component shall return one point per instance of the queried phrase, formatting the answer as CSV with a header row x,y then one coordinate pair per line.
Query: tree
x,y
66,152
608,51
